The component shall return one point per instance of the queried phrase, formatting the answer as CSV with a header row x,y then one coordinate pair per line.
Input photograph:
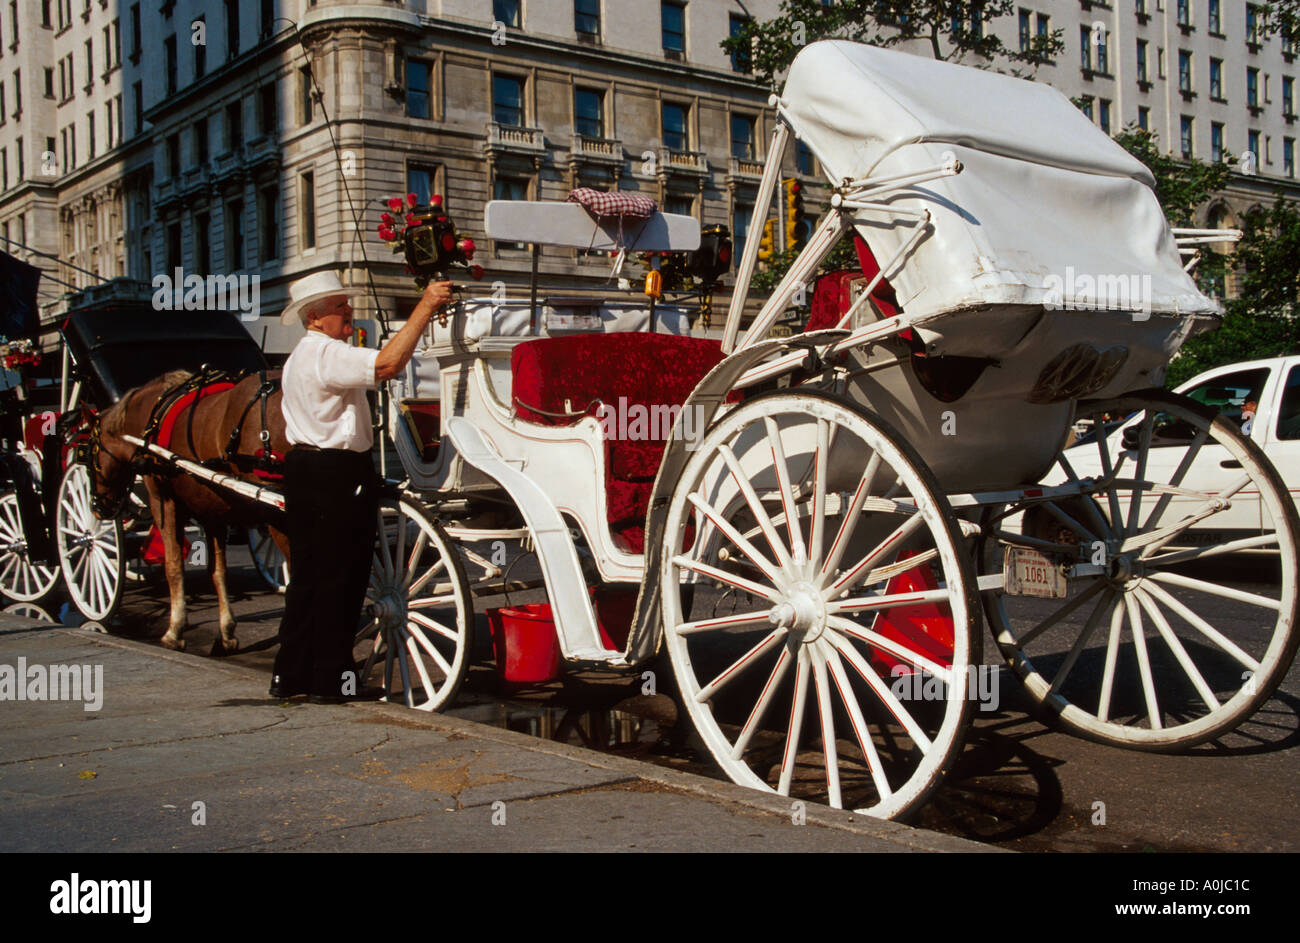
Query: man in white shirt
x,y
330,486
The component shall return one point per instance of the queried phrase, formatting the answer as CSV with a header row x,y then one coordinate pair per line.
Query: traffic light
x,y
794,222
767,246
712,259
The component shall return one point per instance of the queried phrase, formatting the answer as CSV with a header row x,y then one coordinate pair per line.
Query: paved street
x,y
1018,786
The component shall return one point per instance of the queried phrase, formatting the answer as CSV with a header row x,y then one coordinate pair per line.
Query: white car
x,y
1261,396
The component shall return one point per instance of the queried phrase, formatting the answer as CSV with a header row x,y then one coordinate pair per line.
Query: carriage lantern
x,y
428,240
712,259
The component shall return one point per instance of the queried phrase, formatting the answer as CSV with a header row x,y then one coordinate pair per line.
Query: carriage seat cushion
x,y
639,377
832,293
423,418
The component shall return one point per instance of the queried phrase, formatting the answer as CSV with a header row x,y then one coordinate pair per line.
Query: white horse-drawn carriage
x,y
829,513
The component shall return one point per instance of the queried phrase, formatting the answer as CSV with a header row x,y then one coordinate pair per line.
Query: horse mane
x,y
112,420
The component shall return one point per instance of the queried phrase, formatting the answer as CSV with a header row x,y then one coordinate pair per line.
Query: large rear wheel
x,y
825,653
90,549
22,578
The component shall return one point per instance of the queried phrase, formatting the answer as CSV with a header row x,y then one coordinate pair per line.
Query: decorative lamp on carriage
x,y
708,264
428,239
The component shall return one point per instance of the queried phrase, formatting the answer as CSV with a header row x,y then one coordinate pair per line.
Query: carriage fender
x,y
702,405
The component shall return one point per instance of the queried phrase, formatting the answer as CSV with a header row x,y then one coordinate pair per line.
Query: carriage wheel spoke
x,y
817,529
829,752
421,541
748,549
898,650
1176,479
875,603
404,666
756,508
1099,612
1200,553
1180,653
722,576
1214,589
430,573
1209,631
1135,498
723,622
796,723
385,558
882,691
786,488
756,715
433,625
895,539
1112,653
841,542
860,728
1144,660
738,666
1060,613
1108,472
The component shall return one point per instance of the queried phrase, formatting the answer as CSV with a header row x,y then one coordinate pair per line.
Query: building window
x,y
741,61
1288,156
200,51
1160,62
742,215
589,112
1216,141
1103,114
1184,13
1252,88
4,168
1085,48
508,100
268,106
234,126
268,18
1252,145
169,55
45,12
201,142
803,158
742,137
268,216
421,180
307,213
49,83
1252,24
1043,21
1216,79
306,105
18,93
510,188
1288,96
506,12
108,123
137,101
1142,60
13,22
18,155
586,17
90,63
1214,18
202,244
135,29
232,28
1086,106
174,246
679,204
1024,29
235,234
1184,71
90,136
173,145
673,27
1103,52
417,88
676,135
117,102
1185,137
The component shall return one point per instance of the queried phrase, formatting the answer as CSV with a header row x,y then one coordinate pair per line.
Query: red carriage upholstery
x,y
423,418
557,380
831,294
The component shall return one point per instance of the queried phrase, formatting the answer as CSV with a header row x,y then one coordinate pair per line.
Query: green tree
x,y
953,29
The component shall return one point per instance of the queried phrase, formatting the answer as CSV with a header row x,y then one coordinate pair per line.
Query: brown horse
x,y
202,433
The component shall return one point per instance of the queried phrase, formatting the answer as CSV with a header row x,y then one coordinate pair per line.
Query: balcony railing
x,y
505,137
741,168
596,150
683,162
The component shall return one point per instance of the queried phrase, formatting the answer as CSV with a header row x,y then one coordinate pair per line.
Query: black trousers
x,y
331,502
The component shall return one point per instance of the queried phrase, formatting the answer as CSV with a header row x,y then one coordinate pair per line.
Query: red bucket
x,y
524,643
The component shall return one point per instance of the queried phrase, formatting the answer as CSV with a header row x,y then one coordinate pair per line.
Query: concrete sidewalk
x,y
189,754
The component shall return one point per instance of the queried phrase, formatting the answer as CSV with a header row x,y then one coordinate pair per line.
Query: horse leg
x,y
164,518
217,568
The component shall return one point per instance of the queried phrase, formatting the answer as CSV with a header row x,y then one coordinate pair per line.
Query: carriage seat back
x,y
630,382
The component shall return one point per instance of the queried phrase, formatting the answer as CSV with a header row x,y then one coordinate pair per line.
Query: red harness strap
x,y
168,423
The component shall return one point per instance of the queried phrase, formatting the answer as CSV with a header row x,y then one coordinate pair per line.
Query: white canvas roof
x,y
1047,202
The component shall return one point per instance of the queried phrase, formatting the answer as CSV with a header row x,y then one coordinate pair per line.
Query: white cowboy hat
x,y
311,288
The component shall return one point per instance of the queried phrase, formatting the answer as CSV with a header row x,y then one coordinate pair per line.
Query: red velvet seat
x,y
831,294
557,380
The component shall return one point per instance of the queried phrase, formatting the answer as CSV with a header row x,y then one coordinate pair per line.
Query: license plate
x,y
557,321
1030,573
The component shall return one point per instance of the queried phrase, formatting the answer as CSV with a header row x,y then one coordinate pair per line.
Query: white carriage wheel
x,y
419,616
270,562
1191,675
22,579
812,508
90,549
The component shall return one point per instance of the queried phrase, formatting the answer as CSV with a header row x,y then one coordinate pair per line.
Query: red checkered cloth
x,y
618,203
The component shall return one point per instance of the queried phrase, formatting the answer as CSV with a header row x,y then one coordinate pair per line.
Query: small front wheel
x,y
90,549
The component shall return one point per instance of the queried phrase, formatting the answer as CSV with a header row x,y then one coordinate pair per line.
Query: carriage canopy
x,y
1047,206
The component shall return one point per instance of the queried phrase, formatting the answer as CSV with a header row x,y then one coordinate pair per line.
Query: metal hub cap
x,y
803,611
390,608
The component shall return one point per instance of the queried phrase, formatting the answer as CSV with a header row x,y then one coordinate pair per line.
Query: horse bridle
x,y
103,507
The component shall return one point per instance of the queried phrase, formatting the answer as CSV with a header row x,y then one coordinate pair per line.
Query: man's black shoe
x,y
280,691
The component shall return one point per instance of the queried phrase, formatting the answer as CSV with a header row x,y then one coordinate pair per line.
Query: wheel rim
x,y
90,549
818,628
270,562
21,578
1154,652
415,630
